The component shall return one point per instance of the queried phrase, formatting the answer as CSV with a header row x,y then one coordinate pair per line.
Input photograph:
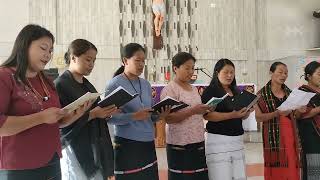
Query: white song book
x,y
296,99
80,101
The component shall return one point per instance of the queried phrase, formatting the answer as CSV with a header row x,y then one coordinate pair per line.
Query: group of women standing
x,y
31,118
290,138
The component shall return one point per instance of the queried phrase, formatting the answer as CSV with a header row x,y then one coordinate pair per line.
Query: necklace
x,y
135,88
44,87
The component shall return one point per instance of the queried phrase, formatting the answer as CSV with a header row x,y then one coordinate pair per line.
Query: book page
x,y
80,101
116,90
296,99
166,98
117,97
214,101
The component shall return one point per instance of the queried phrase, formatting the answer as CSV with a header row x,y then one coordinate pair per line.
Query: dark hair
x,y
215,82
180,58
274,65
19,54
119,71
310,69
127,52
77,48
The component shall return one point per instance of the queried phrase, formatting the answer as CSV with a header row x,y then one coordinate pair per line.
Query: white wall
x,y
290,30
14,14
253,33
291,27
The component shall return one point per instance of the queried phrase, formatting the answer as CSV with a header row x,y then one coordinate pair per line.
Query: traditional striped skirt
x,y
187,162
135,160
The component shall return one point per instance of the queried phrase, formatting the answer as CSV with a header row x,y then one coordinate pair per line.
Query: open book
x,y
214,101
169,101
80,101
117,97
296,99
244,100
176,108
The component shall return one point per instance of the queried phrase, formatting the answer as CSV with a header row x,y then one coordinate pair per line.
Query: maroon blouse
x,y
34,147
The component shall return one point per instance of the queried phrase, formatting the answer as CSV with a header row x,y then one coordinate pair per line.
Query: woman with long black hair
x,y
30,114
224,137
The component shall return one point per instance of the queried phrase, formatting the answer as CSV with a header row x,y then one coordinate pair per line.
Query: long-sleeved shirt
x,y
125,125
89,140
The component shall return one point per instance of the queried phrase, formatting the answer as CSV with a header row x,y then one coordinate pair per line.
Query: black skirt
x,y
310,142
51,171
135,160
187,162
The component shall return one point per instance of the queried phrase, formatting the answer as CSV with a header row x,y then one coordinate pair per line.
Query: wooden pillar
x,y
160,130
